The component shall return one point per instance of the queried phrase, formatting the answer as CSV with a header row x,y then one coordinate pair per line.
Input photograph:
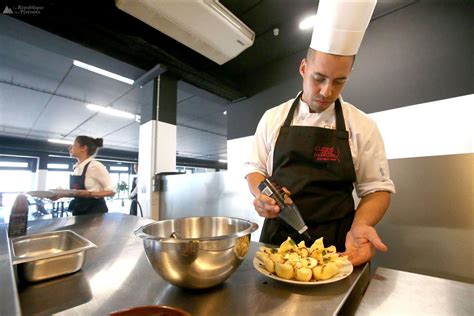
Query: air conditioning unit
x,y
205,26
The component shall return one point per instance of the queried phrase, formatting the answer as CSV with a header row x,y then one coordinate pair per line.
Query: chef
x,y
319,147
90,177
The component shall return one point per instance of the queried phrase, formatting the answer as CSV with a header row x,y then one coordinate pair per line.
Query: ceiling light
x,y
110,111
222,160
225,112
308,23
60,141
102,72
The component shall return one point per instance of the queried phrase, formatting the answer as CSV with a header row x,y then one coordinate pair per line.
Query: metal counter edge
x,y
10,303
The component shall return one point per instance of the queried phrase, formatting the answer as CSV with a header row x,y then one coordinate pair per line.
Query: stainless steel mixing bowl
x,y
196,252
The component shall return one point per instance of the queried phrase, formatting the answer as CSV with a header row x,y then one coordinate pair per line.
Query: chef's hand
x,y
361,242
266,206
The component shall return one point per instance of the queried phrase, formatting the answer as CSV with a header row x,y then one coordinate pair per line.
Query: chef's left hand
x,y
361,242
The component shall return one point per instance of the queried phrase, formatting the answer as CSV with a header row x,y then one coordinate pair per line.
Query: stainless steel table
x,y
117,275
393,292
9,304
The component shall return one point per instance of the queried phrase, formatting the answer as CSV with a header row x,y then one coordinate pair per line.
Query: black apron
x,y
315,164
83,206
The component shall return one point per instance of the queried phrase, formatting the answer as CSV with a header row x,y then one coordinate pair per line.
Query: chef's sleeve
x,y
371,164
260,149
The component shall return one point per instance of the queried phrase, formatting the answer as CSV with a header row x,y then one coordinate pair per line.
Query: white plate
x,y
344,272
41,194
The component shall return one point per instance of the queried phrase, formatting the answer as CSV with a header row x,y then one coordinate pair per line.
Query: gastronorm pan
x,y
47,255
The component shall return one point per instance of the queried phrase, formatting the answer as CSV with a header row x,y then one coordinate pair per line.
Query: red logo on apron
x,y
326,153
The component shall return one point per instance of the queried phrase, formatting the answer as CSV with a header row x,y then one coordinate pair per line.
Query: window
x,y
16,180
17,163
57,179
119,168
16,174
14,164
63,166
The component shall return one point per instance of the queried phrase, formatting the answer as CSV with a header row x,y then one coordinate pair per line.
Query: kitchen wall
x,y
208,194
418,54
429,228
414,77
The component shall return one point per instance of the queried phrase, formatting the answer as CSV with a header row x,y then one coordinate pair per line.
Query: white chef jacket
x,y
365,141
97,176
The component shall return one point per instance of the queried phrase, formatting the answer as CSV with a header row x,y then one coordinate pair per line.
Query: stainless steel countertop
x,y
9,304
117,275
393,292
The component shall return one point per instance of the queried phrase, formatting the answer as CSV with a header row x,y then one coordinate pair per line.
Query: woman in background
x,y
134,193
90,177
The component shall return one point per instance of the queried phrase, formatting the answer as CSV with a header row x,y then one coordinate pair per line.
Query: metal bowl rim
x,y
140,231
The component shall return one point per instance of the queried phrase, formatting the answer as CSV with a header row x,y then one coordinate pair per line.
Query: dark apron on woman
x,y
81,205
315,164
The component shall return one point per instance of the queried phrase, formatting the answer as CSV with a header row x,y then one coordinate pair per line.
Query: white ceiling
x,y
42,95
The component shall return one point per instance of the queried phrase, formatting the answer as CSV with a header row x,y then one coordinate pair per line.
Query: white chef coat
x,y
365,141
97,176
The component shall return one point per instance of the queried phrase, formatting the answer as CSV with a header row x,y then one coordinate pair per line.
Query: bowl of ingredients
x,y
196,252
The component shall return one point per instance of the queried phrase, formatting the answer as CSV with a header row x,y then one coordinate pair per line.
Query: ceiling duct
x,y
205,26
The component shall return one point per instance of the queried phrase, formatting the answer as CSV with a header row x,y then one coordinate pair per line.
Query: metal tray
x,y
47,255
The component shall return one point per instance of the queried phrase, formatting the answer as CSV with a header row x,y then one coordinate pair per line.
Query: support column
x,y
157,145
42,172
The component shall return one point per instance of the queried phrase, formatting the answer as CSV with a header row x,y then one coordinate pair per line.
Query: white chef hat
x,y
340,25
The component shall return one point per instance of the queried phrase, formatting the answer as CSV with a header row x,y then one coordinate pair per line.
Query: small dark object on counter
x,y
18,217
151,310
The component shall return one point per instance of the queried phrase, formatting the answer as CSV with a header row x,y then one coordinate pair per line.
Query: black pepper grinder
x,y
288,210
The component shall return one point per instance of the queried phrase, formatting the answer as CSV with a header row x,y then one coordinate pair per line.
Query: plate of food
x,y
65,193
41,194
297,264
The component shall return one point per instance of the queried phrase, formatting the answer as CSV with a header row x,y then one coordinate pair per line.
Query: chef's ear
x,y
303,65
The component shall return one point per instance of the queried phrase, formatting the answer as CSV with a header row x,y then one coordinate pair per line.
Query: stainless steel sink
x,y
47,255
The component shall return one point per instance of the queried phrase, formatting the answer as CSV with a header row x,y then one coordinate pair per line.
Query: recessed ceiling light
x,y
102,72
308,23
110,111
60,141
225,112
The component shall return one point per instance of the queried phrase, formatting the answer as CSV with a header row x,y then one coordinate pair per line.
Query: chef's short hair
x,y
312,52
